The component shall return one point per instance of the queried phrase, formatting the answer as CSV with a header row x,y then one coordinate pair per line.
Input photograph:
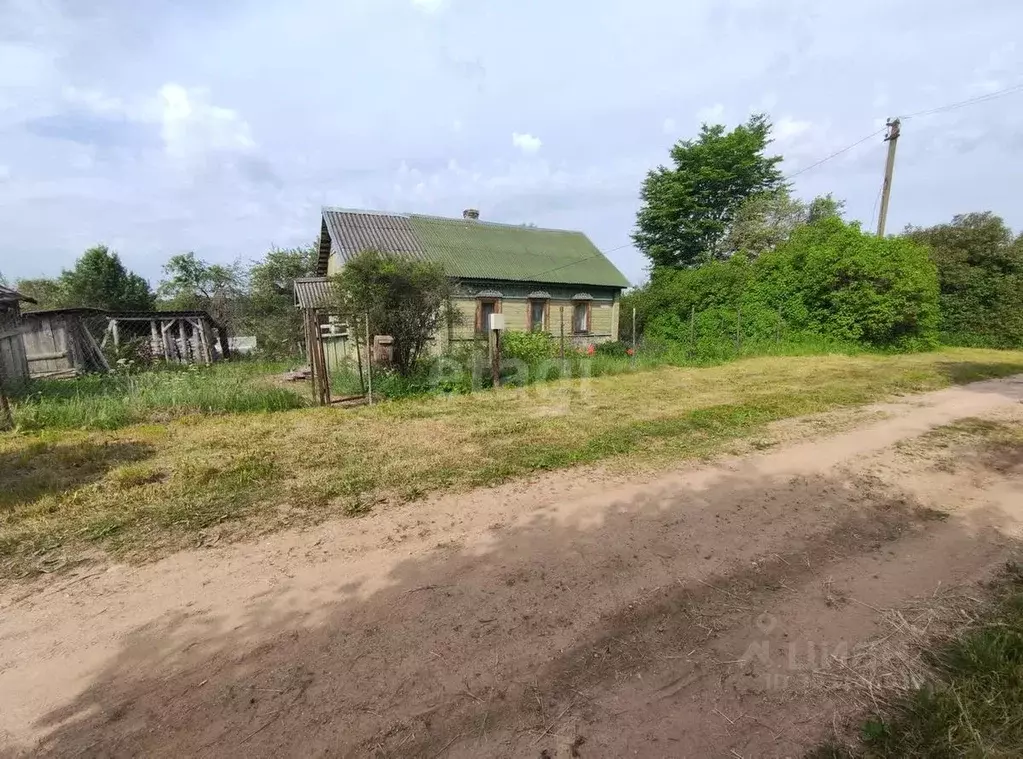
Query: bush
x,y
830,280
529,347
616,349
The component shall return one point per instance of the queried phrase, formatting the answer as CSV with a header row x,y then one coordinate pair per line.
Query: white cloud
x,y
430,6
5,172
669,126
94,100
190,125
788,128
527,143
711,114
457,125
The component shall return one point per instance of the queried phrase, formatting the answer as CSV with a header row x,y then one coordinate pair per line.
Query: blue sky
x,y
160,127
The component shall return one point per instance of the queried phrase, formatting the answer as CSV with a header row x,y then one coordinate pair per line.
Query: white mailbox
x,y
496,322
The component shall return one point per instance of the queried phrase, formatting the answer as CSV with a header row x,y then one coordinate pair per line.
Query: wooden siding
x,y
59,345
13,364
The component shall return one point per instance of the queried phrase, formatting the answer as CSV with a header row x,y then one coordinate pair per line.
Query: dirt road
x,y
579,614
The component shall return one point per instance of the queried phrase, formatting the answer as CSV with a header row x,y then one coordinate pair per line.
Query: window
x,y
484,308
537,315
581,317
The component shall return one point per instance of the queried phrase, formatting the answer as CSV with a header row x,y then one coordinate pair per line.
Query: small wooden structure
x,y
183,337
61,342
13,363
315,296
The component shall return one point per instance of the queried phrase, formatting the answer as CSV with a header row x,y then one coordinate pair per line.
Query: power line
x,y
836,154
940,109
969,101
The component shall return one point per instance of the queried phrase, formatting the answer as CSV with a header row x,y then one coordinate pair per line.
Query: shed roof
x,y
8,295
472,249
313,292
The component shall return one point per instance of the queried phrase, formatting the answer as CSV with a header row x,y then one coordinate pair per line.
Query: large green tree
x,y
688,208
980,270
271,314
100,280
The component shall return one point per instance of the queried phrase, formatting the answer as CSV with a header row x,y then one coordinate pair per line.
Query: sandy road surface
x,y
576,614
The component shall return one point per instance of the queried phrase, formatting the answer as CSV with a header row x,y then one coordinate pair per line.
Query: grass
x,y
146,489
111,401
973,707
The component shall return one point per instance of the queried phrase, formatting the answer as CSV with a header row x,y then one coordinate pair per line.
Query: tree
x,y
100,280
766,220
46,293
193,284
404,298
980,270
688,209
271,314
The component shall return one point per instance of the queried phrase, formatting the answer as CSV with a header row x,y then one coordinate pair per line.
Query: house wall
x,y
13,364
514,304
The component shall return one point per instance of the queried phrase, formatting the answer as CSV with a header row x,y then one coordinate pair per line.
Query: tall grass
x,y
110,401
467,369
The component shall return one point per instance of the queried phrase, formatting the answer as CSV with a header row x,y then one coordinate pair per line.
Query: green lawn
x,y
143,490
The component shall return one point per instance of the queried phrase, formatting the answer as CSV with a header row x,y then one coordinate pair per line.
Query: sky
x,y
167,126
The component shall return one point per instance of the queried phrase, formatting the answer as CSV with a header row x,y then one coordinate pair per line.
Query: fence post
x,y
369,363
692,331
634,329
561,313
6,416
738,330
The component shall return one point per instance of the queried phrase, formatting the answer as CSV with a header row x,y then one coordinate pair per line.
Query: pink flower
x,y
591,349
629,351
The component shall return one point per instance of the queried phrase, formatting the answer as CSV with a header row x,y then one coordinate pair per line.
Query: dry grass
x,y
947,679
142,491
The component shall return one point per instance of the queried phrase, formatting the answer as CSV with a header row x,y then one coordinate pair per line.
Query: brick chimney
x,y
471,214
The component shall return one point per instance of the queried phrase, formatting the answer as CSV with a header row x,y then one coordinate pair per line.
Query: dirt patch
x,y
572,615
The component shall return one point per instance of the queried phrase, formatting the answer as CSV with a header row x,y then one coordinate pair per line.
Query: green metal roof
x,y
471,249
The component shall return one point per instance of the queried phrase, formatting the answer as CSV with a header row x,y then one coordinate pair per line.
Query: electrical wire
x,y
963,103
940,109
836,154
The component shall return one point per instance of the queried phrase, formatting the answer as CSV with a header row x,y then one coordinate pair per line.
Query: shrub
x,y
529,347
617,349
829,280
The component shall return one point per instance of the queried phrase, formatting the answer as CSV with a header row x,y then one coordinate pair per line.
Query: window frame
x,y
481,328
545,319
588,304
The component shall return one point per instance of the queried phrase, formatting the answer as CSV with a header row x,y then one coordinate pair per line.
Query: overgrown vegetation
x,y
974,705
829,283
144,490
980,268
404,298
110,401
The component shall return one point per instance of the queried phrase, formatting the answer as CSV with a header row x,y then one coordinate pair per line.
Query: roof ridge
x,y
413,214
495,223
365,211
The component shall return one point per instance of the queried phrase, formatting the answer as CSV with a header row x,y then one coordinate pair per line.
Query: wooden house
x,y
13,363
552,280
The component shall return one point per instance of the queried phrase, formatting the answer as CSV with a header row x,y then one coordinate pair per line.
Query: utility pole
x,y
892,138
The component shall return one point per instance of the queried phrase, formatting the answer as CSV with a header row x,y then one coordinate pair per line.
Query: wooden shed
x,y
183,337
13,363
62,342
